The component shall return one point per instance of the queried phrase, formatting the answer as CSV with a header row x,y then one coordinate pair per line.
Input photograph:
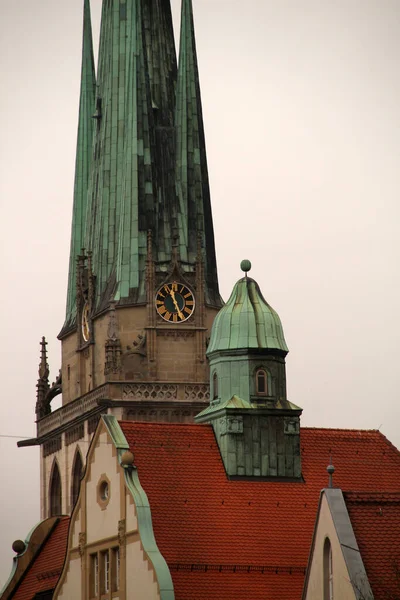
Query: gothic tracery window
x,y
55,492
76,478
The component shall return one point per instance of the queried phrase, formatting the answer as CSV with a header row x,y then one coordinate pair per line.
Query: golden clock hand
x,y
172,293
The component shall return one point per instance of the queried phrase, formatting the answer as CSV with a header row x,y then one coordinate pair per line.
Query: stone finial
x,y
127,459
42,386
112,332
19,546
43,365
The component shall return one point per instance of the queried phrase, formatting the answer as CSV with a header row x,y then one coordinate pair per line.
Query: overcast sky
x,y
301,105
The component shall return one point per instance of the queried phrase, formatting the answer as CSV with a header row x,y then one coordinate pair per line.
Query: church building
x,y
176,467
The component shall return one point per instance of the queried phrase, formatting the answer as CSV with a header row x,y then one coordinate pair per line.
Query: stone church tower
x,y
142,287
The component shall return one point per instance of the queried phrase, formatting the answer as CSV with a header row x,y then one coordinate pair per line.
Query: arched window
x,y
328,570
215,386
261,383
76,477
55,492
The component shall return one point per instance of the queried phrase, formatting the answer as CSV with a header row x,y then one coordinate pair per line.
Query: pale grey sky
x,y
301,105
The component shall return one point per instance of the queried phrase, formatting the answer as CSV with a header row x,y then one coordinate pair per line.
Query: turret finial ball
x,y
245,265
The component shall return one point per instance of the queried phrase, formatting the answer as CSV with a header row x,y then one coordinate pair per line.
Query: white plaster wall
x,y
140,580
131,518
76,530
103,523
342,588
71,588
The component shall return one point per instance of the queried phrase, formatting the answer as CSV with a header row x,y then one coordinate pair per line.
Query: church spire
x,y
191,162
83,160
148,168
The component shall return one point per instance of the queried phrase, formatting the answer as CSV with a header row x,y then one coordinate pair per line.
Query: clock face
x,y
175,302
85,323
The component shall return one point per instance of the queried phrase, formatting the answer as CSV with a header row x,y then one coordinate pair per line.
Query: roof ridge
x,y
341,429
162,425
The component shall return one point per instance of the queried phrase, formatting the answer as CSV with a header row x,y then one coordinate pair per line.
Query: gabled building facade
x,y
355,553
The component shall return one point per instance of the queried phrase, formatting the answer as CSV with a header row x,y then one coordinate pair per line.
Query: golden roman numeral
x,y
168,315
188,295
175,287
160,302
175,318
182,288
187,310
189,302
166,288
162,310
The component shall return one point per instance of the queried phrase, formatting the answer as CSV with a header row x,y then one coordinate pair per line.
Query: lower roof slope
x,y
245,539
45,570
375,518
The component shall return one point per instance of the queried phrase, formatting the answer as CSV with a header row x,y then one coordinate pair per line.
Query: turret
x,y
257,428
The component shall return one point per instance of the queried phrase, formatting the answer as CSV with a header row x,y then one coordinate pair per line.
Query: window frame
x,y
215,391
264,373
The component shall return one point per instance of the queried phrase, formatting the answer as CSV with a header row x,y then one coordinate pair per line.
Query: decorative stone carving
x,y
231,425
42,407
149,391
291,426
122,536
82,543
74,434
197,392
92,423
113,350
175,335
138,345
52,446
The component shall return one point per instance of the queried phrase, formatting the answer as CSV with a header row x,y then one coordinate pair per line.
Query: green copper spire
x,y
83,159
132,186
148,170
247,321
194,205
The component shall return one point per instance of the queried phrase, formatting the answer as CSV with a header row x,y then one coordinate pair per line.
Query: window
x,y
94,576
328,570
115,569
76,478
105,572
215,386
261,383
55,492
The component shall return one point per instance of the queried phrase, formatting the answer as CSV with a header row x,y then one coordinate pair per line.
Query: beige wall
x,y
342,588
96,526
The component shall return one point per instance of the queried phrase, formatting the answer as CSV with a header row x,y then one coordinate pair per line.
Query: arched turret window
x,y
328,571
55,492
261,383
77,470
215,386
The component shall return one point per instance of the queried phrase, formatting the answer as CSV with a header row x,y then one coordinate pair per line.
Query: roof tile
x,y
211,530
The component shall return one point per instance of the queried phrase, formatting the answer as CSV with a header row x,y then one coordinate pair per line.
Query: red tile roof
x,y
45,570
223,538
376,523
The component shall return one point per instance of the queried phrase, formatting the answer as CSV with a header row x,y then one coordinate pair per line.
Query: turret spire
x,y
83,159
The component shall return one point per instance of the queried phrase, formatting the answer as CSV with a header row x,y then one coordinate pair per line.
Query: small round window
x,y
104,490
